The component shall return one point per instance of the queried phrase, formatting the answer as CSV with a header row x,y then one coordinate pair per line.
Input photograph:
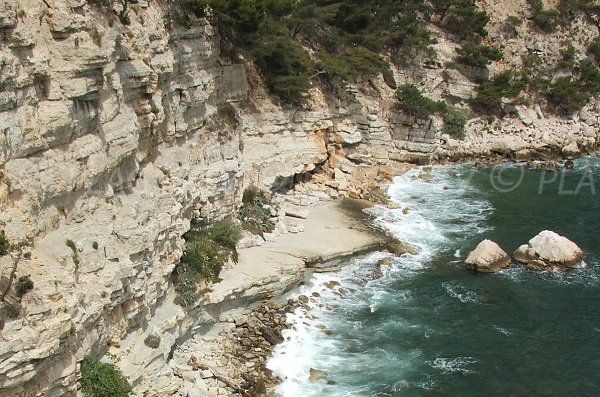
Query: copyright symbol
x,y
502,179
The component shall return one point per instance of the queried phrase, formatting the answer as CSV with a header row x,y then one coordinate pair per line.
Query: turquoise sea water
x,y
428,327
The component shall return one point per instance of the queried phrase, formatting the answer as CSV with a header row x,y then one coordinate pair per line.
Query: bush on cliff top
x,y
102,379
347,35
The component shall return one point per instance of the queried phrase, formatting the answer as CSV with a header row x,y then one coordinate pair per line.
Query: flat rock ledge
x,y
487,257
549,250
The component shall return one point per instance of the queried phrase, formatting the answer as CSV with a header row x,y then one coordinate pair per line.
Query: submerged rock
x,y
315,375
547,166
569,165
487,257
398,248
550,250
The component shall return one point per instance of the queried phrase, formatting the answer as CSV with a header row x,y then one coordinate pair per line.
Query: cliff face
x,y
118,137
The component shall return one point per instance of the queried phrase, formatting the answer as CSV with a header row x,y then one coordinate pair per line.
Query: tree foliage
x,y
490,93
461,17
476,55
411,101
566,96
594,49
569,94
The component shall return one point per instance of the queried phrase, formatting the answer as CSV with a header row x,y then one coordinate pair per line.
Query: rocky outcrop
x,y
487,257
548,250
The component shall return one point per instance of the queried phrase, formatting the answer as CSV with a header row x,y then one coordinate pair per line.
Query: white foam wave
x,y
502,330
437,215
460,292
451,365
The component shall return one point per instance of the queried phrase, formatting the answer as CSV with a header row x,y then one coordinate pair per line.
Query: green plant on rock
x,y
255,212
203,258
71,244
589,77
226,233
566,95
187,290
206,251
594,49
490,93
411,101
102,379
454,123
461,17
567,57
354,63
4,244
476,55
23,284
545,20
285,64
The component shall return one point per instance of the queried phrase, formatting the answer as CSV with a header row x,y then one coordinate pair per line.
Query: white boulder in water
x,y
487,257
550,250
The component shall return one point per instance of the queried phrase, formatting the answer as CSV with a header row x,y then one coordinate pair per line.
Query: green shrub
x,y
594,49
226,234
566,95
355,62
203,258
412,102
461,17
490,93
23,285
589,77
252,193
567,59
102,379
4,244
10,311
255,213
514,20
187,290
476,55
205,253
95,245
547,20
454,123
285,64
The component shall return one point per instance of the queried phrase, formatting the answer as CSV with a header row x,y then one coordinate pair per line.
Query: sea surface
x,y
426,326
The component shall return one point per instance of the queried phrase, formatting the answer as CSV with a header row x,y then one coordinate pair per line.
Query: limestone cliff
x,y
118,137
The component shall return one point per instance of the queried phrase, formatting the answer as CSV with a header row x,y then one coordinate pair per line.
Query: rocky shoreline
x,y
230,359
243,317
